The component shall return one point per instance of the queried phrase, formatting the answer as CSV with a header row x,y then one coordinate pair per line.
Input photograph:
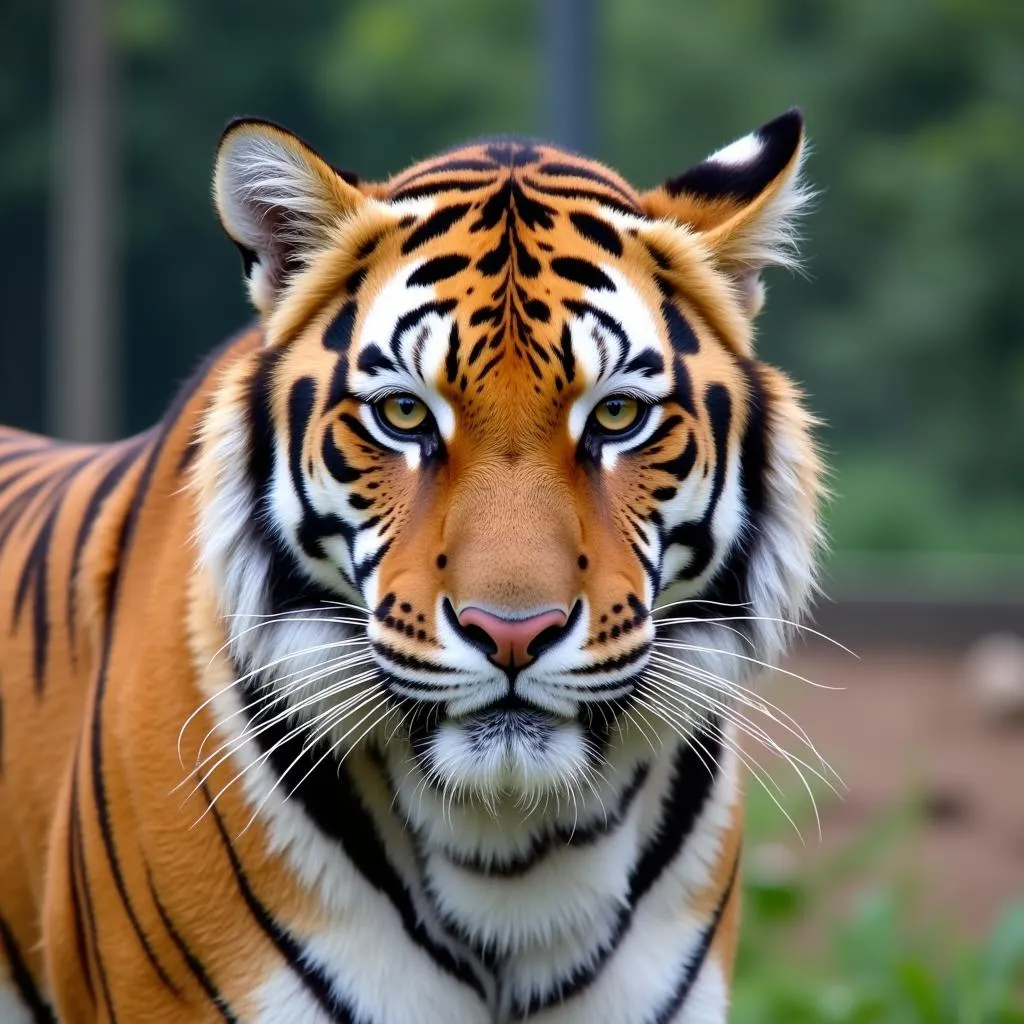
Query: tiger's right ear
x,y
277,200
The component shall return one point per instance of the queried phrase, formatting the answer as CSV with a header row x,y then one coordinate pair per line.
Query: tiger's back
x,y
69,518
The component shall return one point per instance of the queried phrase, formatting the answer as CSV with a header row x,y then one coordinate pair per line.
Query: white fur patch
x,y
742,151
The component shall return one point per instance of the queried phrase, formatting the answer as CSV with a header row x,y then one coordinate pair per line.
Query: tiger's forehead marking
x,y
522,251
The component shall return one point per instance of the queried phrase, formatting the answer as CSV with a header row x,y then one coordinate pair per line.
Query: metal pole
x,y
570,29
82,384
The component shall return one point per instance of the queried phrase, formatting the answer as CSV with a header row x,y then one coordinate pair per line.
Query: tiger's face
x,y
508,405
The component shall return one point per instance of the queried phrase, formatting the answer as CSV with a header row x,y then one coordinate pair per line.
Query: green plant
x,y
878,964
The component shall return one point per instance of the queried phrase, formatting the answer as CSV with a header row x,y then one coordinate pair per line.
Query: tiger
x,y
397,674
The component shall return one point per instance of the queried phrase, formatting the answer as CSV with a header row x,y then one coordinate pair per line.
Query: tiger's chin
x,y
497,755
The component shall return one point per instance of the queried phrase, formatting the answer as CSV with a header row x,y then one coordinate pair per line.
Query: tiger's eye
x,y
617,414
404,413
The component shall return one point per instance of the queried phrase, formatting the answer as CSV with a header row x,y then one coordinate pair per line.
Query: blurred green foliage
x,y
801,961
908,333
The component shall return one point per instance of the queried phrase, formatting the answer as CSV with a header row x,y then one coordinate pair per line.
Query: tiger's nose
x,y
512,643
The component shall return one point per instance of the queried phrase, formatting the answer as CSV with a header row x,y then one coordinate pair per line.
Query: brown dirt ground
x,y
905,723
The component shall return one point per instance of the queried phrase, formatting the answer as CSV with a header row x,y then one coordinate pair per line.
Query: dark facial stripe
x,y
730,585
566,356
447,167
194,965
692,782
682,465
338,335
621,661
582,272
434,226
597,231
313,526
451,360
409,320
555,169
585,193
335,462
648,364
440,268
372,361
697,535
22,978
312,976
439,187
329,798
680,334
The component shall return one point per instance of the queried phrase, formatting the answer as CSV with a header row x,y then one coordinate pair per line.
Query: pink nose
x,y
510,638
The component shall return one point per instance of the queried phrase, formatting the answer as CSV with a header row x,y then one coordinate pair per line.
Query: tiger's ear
x,y
743,201
277,200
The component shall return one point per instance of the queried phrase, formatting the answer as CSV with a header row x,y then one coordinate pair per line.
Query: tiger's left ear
x,y
743,201
277,200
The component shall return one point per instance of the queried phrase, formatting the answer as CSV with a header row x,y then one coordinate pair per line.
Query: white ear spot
x,y
742,151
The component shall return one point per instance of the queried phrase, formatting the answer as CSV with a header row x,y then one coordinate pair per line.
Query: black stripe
x,y
34,574
692,969
11,515
434,226
440,268
328,796
444,185
86,891
698,535
446,167
562,836
597,231
451,361
74,874
585,193
555,169
96,745
731,583
681,806
613,664
127,536
582,272
194,965
107,483
680,333
371,361
566,355
681,466
648,363
409,320
313,526
312,976
22,978
338,335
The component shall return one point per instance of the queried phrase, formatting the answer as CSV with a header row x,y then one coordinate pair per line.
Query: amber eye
x,y
404,413
617,414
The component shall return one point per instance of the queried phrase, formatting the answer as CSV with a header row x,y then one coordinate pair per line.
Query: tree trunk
x,y
82,384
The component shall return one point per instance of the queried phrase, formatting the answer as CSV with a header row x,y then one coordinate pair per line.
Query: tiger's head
x,y
507,406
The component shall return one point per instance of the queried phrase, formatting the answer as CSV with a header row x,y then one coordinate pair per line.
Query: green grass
x,y
803,961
